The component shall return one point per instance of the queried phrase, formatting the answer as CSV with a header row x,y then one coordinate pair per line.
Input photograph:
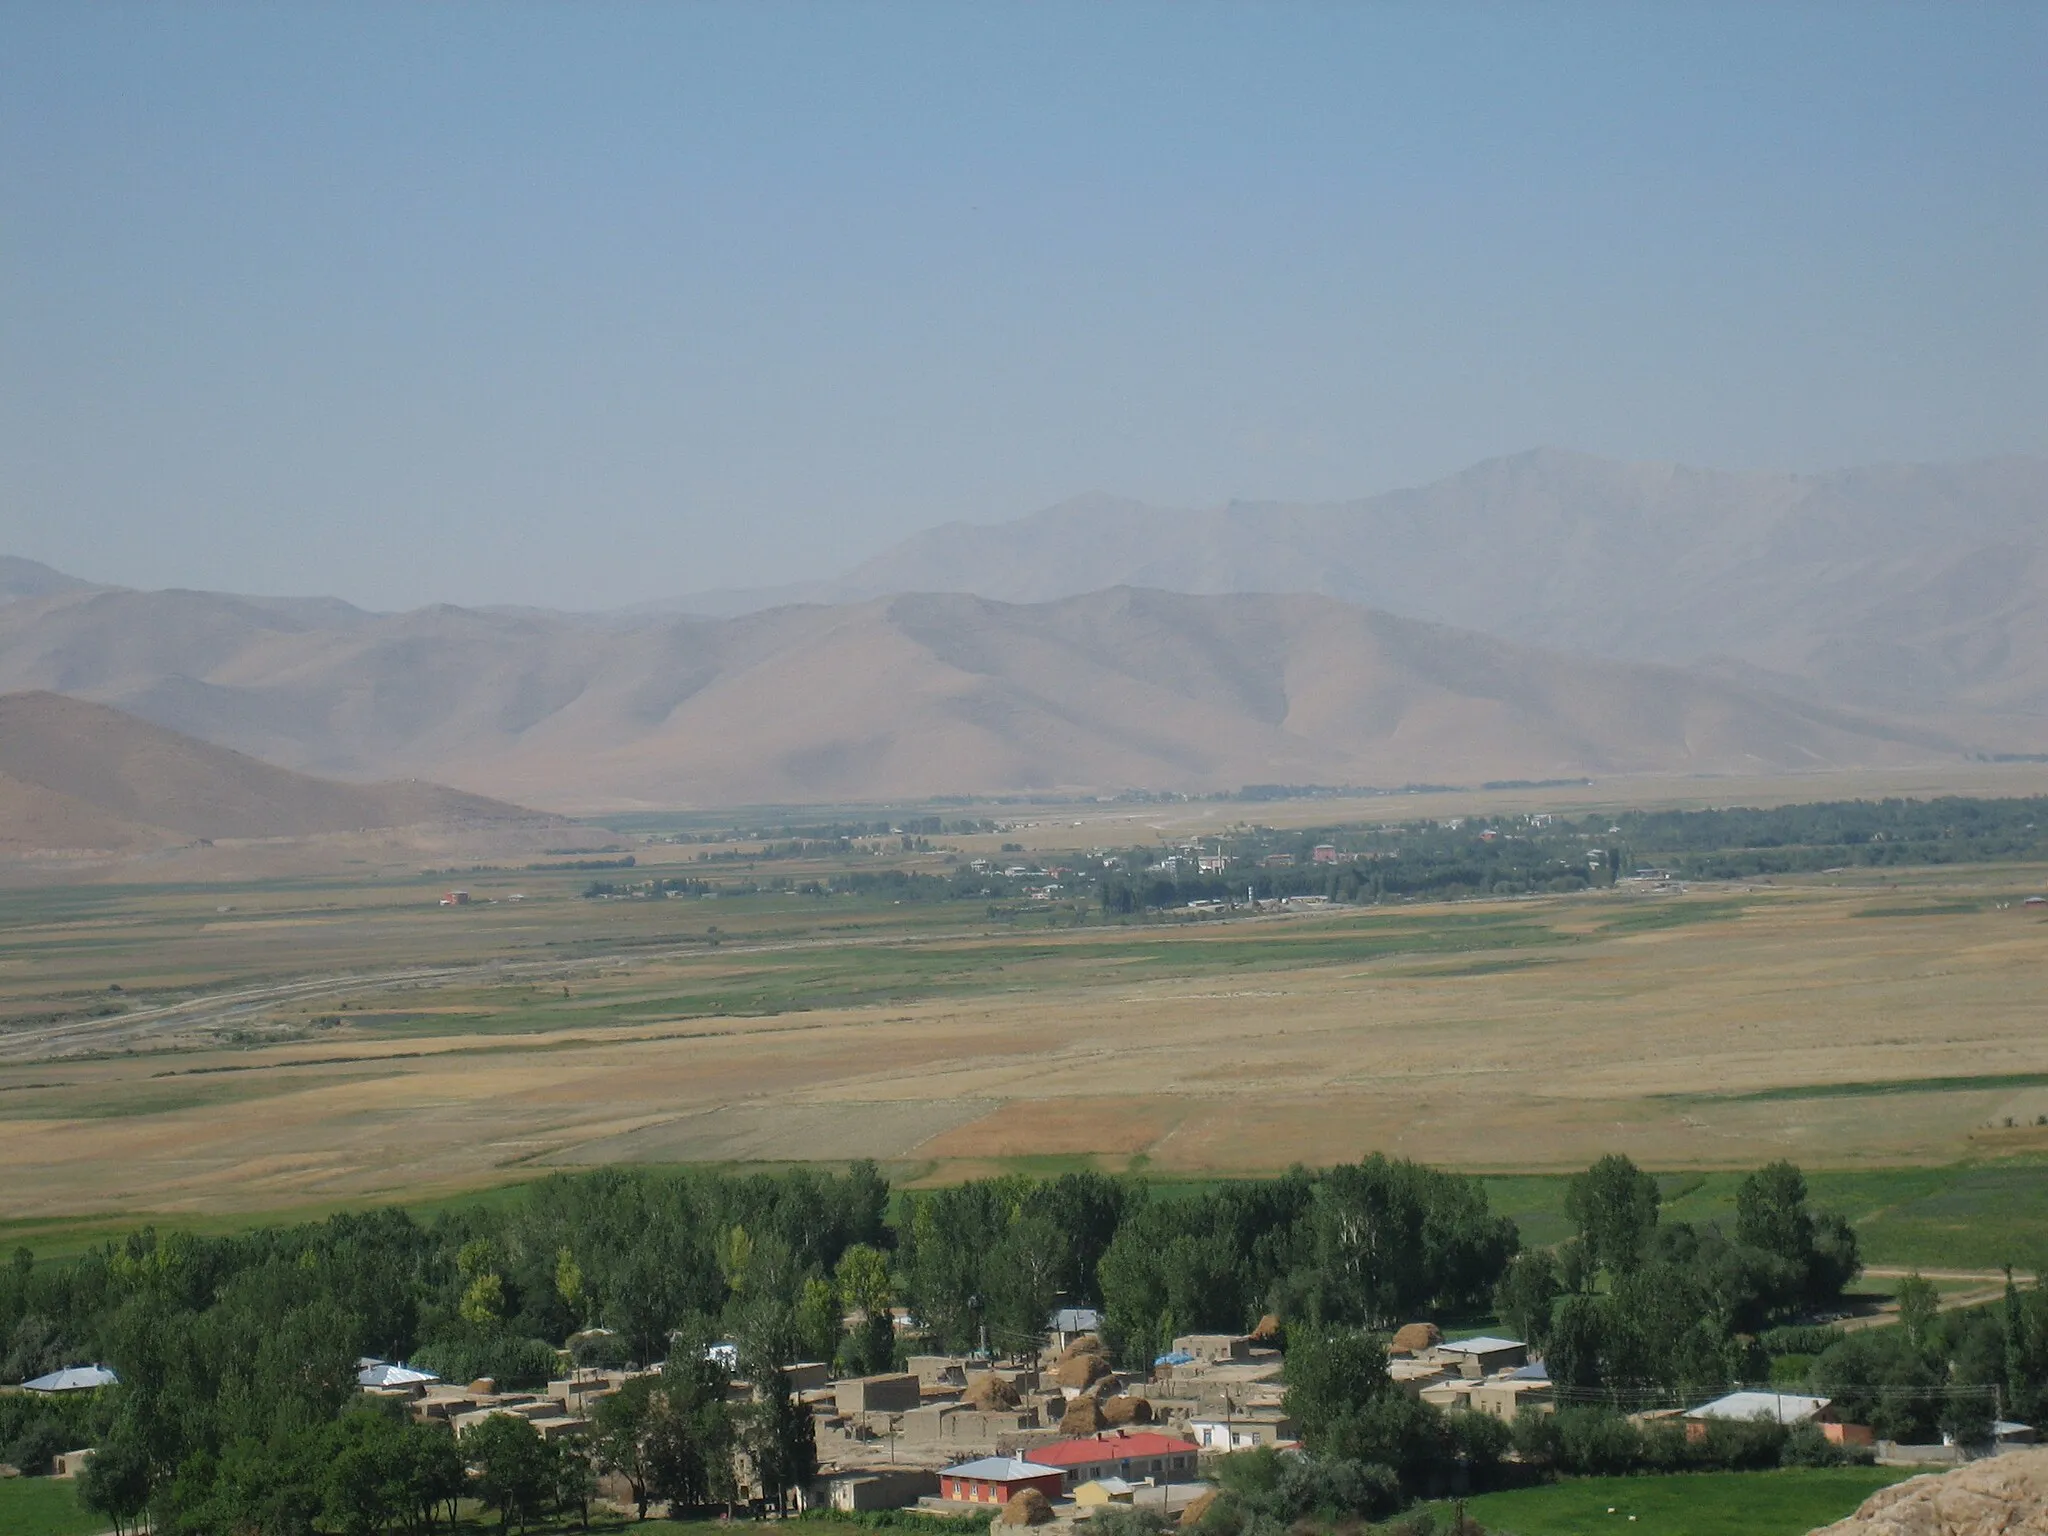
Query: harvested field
x,y
375,1051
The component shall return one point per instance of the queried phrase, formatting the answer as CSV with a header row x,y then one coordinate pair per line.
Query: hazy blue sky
x,y
589,304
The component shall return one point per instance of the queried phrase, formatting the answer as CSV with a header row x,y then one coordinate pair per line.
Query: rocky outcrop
x,y
1999,1496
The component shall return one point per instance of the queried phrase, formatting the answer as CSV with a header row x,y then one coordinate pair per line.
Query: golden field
x,y
340,1043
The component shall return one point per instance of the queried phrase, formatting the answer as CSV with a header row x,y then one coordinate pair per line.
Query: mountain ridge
x,y
912,695
1888,586
80,775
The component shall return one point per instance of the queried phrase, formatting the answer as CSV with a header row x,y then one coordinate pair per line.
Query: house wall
x,y
972,1490
877,1394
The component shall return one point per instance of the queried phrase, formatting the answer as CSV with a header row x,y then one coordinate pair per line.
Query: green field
x,y
1965,1216
44,1506
1787,1503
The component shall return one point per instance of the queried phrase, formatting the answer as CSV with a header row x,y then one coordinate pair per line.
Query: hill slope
x,y
908,696
80,775
1902,586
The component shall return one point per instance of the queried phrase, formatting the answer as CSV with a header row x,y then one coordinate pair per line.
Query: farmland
x,y
195,1048
1786,1503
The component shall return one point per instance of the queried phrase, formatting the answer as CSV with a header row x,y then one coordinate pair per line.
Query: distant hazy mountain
x,y
906,696
31,578
80,775
1916,586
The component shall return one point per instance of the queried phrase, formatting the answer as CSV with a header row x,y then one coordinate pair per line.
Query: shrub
x,y
1127,1520
599,1351
1595,1441
33,1450
1479,1439
1806,1446
1798,1340
511,1362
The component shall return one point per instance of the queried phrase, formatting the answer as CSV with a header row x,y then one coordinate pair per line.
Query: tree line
x,y
237,1354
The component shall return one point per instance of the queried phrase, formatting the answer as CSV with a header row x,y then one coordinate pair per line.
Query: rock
x,y
1027,1506
1414,1338
2000,1496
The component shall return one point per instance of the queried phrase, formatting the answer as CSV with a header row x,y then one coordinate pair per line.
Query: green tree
x,y
863,1281
1578,1334
572,1482
1331,1375
1527,1295
512,1474
365,1486
1770,1212
817,1319
569,1281
1022,1276
1614,1205
780,1438
735,1254
483,1301
116,1483
435,1475
619,1436
1919,1304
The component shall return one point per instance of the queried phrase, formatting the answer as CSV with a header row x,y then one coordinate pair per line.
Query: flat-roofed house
x,y
997,1479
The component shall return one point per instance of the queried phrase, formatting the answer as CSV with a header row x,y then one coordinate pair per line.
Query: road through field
x,y
151,1024
1711,1031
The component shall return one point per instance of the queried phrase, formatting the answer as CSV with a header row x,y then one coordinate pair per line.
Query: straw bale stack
x,y
1081,1371
1414,1338
991,1394
1027,1506
1084,1416
1124,1409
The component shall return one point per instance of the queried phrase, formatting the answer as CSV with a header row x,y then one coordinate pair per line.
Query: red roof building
x,y
1119,1453
996,1480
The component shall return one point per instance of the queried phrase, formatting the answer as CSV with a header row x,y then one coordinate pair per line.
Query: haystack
x,y
1087,1344
1081,1371
1414,1338
1197,1507
991,1394
1124,1409
1268,1331
1084,1416
1027,1506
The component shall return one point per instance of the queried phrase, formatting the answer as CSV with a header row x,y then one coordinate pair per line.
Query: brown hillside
x,y
75,774
911,696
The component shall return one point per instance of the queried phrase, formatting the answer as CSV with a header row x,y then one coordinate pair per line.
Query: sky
x,y
589,305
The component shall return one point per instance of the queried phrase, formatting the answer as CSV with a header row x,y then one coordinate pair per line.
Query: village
x,y
1054,1436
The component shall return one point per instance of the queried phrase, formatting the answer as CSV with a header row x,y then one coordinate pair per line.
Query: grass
x,y
44,1506
1783,1503
1978,1083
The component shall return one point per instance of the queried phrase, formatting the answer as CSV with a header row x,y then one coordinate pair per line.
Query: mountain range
x,y
1891,586
1557,615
